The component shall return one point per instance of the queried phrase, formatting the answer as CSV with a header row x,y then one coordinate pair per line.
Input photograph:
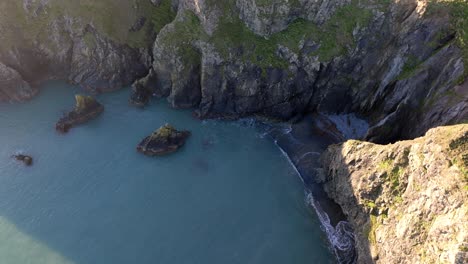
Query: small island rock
x,y
163,141
86,108
27,160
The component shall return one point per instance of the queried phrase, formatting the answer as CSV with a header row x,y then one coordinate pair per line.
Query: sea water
x,y
228,196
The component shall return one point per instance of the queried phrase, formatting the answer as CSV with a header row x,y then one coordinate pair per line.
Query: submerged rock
x,y
163,141
86,108
27,160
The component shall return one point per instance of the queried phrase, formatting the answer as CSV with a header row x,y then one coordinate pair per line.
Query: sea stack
x,y
163,141
86,108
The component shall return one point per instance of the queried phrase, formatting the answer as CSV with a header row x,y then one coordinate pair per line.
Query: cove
x,y
228,196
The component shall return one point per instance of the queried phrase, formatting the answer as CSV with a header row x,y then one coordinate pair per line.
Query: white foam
x,y
341,237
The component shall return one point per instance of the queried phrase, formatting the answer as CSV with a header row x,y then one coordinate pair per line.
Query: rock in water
x,y
27,160
163,141
86,108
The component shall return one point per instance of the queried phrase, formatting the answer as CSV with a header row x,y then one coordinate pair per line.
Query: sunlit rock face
x,y
407,201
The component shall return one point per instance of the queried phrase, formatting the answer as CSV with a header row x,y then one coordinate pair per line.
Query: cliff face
x,y
101,45
408,201
396,63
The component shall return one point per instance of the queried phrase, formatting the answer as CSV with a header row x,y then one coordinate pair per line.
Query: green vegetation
x,y
459,153
233,38
83,102
161,15
180,40
369,231
113,18
458,11
393,173
336,36
411,66
371,204
164,131
90,40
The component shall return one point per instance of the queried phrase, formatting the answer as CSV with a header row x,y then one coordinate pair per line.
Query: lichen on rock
x,y
86,108
408,201
163,141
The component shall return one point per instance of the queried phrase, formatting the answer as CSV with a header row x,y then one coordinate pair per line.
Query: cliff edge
x,y
408,201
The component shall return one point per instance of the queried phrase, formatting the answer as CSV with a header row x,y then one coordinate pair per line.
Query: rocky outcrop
x,y
163,141
86,108
144,89
408,201
12,86
394,63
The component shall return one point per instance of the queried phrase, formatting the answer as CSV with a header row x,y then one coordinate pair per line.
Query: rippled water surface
x,y
229,196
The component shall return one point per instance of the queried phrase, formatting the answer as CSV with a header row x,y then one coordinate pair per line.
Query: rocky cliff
x,y
408,201
394,62
101,45
400,64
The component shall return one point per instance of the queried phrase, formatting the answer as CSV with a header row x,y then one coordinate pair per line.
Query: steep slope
x,y
394,62
102,45
408,201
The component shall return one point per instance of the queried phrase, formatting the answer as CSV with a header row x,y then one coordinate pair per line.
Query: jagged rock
x,y
143,89
408,201
86,108
27,160
70,44
163,141
13,87
334,70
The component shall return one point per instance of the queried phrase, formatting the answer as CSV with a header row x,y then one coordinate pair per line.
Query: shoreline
x,y
302,144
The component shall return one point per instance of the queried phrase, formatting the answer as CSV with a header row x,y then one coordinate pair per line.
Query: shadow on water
x,y
303,145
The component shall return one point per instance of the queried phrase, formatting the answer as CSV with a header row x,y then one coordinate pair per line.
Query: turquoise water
x,y
229,196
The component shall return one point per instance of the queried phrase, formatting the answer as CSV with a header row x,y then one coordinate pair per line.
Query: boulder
x,y
86,108
163,141
27,160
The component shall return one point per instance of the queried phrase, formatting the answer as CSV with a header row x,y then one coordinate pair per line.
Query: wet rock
x,y
27,160
86,108
163,141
